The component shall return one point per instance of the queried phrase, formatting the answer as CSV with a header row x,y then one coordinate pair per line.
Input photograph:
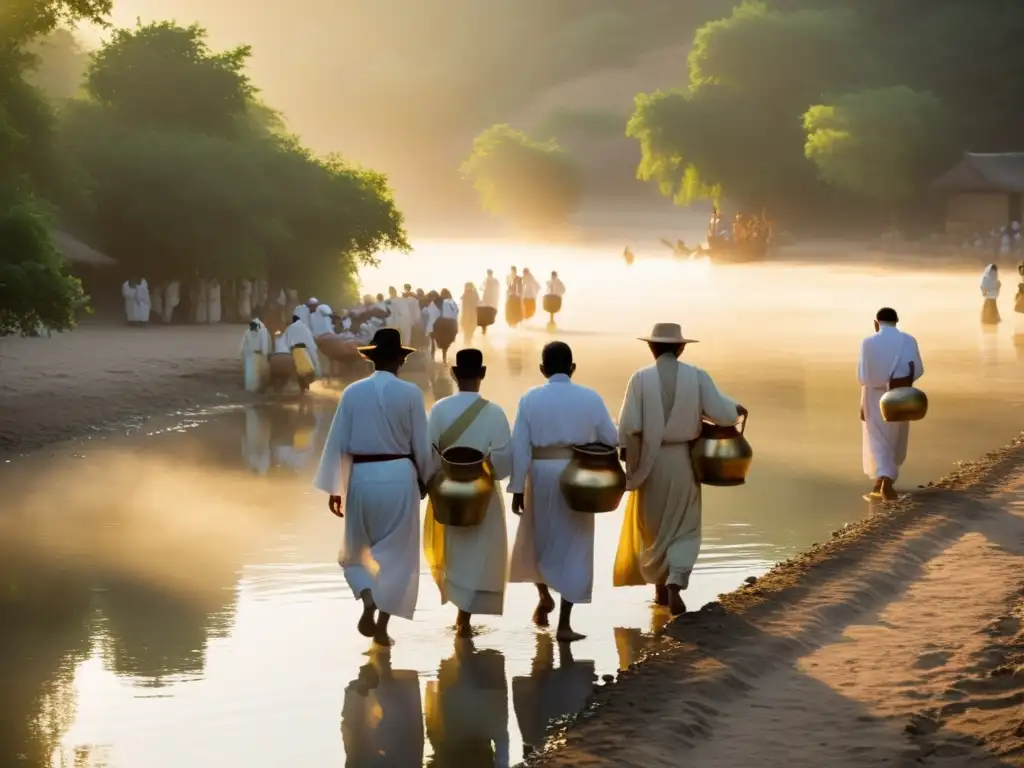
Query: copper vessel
x,y
721,455
904,404
461,492
552,304
593,481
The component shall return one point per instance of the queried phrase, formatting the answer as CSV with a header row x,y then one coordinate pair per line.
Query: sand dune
x,y
896,643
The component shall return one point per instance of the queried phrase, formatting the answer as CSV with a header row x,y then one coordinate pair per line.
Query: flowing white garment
x,y
382,717
256,441
472,562
449,309
213,302
142,304
429,316
491,293
555,545
254,352
172,297
404,312
131,312
244,300
381,547
555,287
321,321
305,316
530,286
661,530
883,356
990,284
299,333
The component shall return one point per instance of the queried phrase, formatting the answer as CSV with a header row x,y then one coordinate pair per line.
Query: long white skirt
x,y
381,548
884,444
554,544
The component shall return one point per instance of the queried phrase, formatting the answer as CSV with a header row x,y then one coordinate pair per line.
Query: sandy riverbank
x,y
898,642
100,377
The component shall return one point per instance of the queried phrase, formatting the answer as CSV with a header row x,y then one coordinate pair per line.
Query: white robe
x,y
404,314
381,547
244,300
530,287
555,287
321,321
172,297
429,316
213,312
305,316
554,544
470,564
382,717
131,311
142,303
449,309
990,284
661,413
884,356
491,293
299,333
256,441
255,345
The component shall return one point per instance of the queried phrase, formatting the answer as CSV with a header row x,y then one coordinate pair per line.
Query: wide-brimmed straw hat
x,y
387,342
667,333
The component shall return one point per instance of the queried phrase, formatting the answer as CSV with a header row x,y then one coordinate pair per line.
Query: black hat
x,y
387,343
469,364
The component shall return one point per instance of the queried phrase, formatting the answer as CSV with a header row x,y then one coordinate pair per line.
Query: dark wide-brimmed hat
x,y
387,343
469,364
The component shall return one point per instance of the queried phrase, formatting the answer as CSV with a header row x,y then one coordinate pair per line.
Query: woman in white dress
x,y
990,286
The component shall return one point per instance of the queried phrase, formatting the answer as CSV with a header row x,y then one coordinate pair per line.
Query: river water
x,y
172,597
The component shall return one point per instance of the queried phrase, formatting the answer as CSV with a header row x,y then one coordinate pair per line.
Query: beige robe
x,y
661,414
470,564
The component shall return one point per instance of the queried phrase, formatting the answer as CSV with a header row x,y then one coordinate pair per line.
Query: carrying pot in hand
x,y
721,456
593,481
461,491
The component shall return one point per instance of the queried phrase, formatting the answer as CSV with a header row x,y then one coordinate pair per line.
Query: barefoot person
x,y
513,298
531,287
554,545
990,286
376,460
661,414
469,563
487,311
553,293
888,359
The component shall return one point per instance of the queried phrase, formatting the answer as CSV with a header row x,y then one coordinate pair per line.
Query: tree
x,y
165,76
535,183
35,287
24,20
874,143
59,64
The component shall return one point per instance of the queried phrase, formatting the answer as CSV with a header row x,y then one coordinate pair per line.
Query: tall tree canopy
x,y
873,80
533,183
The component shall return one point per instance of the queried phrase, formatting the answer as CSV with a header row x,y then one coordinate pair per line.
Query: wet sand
x,y
100,378
898,642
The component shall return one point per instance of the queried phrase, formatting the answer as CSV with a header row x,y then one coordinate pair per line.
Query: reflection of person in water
x,y
549,693
256,440
382,718
466,709
301,446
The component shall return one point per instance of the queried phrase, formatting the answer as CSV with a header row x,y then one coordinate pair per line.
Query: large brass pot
x,y
552,304
461,492
721,456
904,404
593,481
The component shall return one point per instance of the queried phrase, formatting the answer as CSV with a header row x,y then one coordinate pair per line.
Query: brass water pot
x,y
593,480
721,455
904,404
461,492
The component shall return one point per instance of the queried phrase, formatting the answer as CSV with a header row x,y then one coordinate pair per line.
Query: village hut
x,y
984,192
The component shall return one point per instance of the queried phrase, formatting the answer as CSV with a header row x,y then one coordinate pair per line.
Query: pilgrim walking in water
x,y
990,287
446,326
553,293
888,359
487,312
469,562
554,546
255,355
531,289
661,415
302,347
468,314
376,464
513,299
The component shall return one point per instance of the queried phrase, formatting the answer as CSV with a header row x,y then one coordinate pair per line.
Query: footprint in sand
x,y
931,660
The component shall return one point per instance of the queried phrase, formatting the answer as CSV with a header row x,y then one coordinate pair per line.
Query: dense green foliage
x,y
789,99
533,183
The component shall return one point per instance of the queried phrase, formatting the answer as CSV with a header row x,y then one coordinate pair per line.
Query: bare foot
x,y
568,636
463,630
676,606
544,608
660,595
890,495
367,625
382,639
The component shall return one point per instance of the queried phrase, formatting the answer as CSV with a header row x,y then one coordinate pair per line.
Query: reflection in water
x,y
549,693
382,718
989,346
45,617
467,710
256,440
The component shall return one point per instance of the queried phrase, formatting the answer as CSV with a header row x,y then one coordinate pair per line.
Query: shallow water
x,y
172,597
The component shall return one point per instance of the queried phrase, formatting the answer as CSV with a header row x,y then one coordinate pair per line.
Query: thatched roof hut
x,y
985,191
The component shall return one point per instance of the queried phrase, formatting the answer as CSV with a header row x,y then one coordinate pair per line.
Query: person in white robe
x,y
554,545
254,352
305,312
469,564
531,289
513,298
143,306
245,300
298,336
487,309
382,717
172,297
466,709
256,441
446,324
990,287
470,302
213,307
556,289
661,415
888,359
376,464
131,311
428,316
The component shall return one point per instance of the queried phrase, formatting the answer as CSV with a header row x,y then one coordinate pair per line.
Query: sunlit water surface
x,y
173,598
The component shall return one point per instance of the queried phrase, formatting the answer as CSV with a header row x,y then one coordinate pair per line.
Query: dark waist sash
x,y
374,458
300,345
